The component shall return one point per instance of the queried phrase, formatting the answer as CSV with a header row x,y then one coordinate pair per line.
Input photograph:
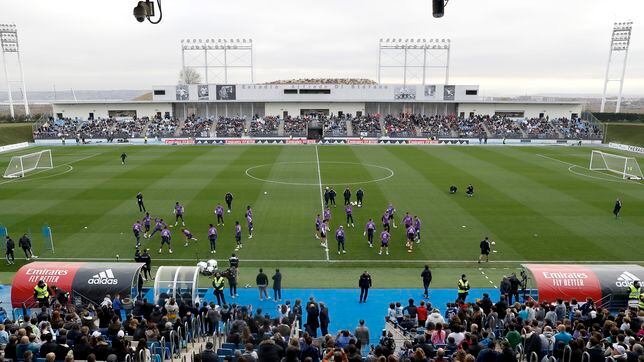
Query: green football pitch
x,y
538,204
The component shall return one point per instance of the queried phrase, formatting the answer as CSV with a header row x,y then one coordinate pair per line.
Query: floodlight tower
x,y
414,54
218,54
9,44
619,41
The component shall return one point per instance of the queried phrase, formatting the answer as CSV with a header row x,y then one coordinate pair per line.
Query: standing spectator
x,y
514,288
231,275
209,354
364,283
427,279
362,335
312,318
25,244
262,284
324,319
172,309
277,285
218,284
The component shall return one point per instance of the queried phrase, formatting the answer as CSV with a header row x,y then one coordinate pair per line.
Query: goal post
x,y
20,165
625,166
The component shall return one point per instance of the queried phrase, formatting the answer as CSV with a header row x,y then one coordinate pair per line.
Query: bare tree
x,y
189,76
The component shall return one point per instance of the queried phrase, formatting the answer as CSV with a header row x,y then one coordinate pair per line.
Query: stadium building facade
x,y
248,100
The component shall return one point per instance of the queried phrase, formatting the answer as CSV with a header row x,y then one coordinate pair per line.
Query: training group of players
x,y
412,224
144,227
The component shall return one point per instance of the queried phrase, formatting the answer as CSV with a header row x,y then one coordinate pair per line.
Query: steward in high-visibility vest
x,y
218,285
634,291
463,289
41,293
641,303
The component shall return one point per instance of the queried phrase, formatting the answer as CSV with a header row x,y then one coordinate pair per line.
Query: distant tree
x,y
189,76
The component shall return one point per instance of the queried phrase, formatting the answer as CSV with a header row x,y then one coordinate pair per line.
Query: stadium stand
x,y
296,127
196,127
230,127
394,126
162,127
264,126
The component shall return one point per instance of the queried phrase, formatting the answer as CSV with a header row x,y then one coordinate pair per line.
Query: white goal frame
x,y
20,165
625,166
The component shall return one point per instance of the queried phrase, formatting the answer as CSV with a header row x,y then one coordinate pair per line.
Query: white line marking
x,y
573,165
31,178
317,158
249,174
386,261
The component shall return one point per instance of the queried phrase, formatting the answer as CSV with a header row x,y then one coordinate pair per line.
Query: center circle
x,y
299,176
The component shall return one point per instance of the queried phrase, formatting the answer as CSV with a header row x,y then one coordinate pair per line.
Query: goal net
x,y
20,165
627,167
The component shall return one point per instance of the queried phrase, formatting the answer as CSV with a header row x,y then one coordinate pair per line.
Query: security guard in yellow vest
x,y
463,289
634,291
218,284
641,304
41,293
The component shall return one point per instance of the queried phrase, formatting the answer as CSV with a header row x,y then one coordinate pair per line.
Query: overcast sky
x,y
508,47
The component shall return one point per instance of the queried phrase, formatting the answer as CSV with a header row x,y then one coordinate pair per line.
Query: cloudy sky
x,y
508,47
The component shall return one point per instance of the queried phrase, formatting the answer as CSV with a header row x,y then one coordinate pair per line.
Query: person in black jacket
x,y
427,279
11,245
209,354
515,283
324,319
327,196
277,285
347,196
262,284
229,201
332,195
25,244
364,283
47,346
312,322
359,196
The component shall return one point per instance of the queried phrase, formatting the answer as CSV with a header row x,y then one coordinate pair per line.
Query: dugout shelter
x,y
85,282
606,284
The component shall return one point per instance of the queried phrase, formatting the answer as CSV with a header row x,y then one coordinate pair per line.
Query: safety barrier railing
x,y
567,352
585,357
534,357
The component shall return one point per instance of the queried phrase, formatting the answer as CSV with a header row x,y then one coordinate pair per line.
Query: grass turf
x,y
537,203
15,133
626,133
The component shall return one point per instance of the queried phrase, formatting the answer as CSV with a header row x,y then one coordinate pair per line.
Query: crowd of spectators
x,y
65,127
488,331
296,126
400,125
230,127
577,128
334,126
196,127
343,81
366,126
130,128
264,126
162,127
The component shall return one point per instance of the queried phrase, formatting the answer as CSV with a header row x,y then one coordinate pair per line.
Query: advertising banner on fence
x,y
581,281
85,282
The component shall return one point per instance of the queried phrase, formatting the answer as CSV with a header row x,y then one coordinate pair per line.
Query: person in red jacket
x,y
421,311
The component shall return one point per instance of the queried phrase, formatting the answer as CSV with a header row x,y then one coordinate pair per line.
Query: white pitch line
x,y
572,165
387,261
317,159
23,179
